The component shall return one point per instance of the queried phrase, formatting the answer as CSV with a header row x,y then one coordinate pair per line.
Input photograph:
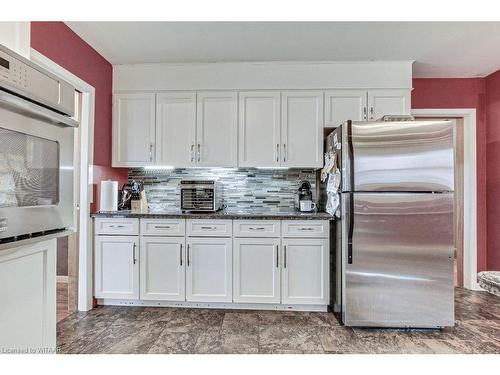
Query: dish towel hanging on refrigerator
x,y
331,174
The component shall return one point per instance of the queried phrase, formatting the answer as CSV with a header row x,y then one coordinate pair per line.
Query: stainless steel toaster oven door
x,y
197,198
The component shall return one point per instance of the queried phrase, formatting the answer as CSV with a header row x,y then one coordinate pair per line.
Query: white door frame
x,y
86,160
470,187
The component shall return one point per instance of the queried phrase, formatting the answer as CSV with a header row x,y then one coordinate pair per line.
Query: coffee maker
x,y
303,199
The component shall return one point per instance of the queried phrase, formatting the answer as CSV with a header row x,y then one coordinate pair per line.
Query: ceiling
x,y
440,49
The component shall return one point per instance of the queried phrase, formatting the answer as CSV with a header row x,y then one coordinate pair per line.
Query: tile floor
x,y
111,329
62,310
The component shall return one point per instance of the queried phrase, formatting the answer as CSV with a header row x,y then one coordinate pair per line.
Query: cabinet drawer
x,y
117,226
256,228
210,228
305,228
163,227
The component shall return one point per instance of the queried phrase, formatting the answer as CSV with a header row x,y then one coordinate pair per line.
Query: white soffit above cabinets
x,y
262,76
439,49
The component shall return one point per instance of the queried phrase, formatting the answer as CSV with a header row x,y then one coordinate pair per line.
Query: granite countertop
x,y
223,214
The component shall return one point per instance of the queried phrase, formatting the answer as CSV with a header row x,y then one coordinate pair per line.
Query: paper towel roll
x,y
109,196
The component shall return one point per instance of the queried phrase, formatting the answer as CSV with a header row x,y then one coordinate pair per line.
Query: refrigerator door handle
x,y
350,218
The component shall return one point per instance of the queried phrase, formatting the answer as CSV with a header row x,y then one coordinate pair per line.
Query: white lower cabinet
x,y
117,267
256,270
259,262
209,269
305,271
162,269
28,297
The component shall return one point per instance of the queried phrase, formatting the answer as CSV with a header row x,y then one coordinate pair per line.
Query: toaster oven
x,y
201,196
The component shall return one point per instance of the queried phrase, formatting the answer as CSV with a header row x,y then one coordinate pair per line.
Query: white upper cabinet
x,y
388,102
302,129
176,129
362,105
133,129
259,129
343,105
217,129
247,129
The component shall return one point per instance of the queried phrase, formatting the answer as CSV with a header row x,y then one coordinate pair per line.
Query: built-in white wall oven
x,y
36,150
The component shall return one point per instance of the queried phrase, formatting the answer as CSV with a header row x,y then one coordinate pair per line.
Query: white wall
x,y
16,36
258,76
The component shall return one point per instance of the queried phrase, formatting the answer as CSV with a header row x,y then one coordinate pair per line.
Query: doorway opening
x,y
458,123
68,247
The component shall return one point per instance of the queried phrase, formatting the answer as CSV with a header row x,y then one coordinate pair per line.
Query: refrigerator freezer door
x,y
401,270
398,156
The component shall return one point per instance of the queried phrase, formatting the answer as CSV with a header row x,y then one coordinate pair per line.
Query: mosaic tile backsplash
x,y
259,189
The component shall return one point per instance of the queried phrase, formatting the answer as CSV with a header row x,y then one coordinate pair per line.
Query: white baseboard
x,y
209,305
62,279
475,286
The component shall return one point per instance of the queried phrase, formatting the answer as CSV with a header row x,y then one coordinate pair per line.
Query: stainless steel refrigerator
x,y
395,236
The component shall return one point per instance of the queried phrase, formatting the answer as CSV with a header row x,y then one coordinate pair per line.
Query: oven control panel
x,y
24,78
3,224
14,72
18,76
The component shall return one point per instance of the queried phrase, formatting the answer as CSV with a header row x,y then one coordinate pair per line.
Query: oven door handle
x,y
30,109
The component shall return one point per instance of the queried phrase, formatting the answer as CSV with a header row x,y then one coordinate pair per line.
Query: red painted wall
x,y
60,44
463,93
493,163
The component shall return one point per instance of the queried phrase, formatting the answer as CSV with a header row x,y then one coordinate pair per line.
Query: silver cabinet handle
x,y
364,113
162,226
133,255
199,152
210,228
180,254
256,228
277,153
371,112
117,226
188,261
284,258
192,153
284,152
277,256
307,228
151,151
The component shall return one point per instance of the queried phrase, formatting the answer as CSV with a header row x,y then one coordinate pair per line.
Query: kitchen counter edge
x,y
216,215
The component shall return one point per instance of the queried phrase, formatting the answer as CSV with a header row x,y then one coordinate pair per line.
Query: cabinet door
x,y
176,129
116,267
256,270
209,269
162,268
302,129
343,105
133,129
388,102
259,129
216,129
28,296
305,271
